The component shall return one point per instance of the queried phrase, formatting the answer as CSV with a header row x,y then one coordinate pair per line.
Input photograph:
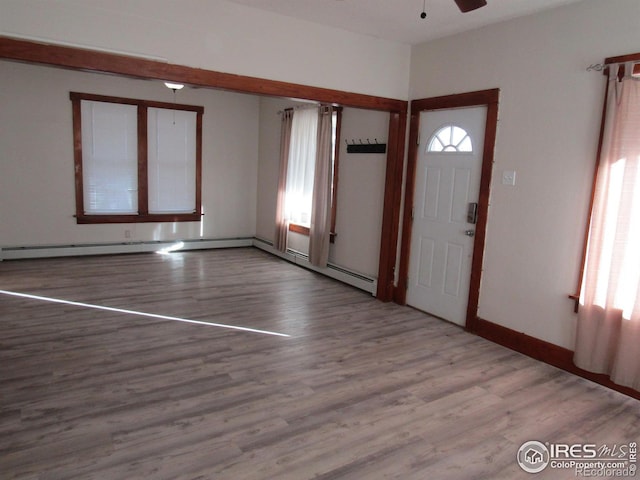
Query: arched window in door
x,y
450,138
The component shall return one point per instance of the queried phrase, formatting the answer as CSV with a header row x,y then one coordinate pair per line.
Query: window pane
x,y
435,145
465,145
300,171
171,160
457,134
334,134
444,136
109,157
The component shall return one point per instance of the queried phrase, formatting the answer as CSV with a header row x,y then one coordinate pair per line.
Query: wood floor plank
x,y
358,390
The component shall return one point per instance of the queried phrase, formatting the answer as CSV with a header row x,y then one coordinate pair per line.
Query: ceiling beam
x,y
135,67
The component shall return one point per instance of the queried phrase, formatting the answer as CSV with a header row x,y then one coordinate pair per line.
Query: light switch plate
x,y
509,177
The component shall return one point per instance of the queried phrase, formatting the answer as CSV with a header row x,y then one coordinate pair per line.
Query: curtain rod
x,y
307,107
298,107
604,67
599,67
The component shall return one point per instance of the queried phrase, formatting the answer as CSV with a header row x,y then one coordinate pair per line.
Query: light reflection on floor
x,y
141,314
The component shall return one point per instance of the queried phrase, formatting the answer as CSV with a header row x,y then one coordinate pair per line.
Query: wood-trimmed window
x,y
337,125
136,160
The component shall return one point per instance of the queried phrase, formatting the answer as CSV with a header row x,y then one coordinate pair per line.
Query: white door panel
x,y
446,182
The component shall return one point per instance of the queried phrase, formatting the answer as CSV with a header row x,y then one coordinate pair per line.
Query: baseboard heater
x,y
355,279
17,253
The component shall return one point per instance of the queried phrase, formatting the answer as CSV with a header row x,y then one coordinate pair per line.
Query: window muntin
x,y
450,138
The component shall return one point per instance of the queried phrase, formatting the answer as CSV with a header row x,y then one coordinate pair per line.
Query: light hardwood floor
x,y
359,390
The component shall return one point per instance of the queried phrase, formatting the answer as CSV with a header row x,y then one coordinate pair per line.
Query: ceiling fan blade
x,y
468,5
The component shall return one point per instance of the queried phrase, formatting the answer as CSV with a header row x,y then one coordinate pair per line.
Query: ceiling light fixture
x,y
174,86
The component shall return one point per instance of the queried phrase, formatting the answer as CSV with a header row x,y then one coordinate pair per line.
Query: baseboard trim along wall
x,y
44,251
544,351
355,279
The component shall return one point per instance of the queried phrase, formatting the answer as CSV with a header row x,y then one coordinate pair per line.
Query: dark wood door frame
x,y
489,98
391,208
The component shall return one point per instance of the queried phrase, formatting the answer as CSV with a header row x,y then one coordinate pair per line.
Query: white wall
x,y
360,187
548,130
222,36
37,193
360,193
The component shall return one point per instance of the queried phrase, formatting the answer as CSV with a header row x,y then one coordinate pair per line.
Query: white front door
x,y
447,186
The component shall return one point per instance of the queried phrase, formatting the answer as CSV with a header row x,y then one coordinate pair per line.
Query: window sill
x,y
302,230
164,217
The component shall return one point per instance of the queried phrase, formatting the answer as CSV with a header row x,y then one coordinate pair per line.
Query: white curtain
x,y
320,229
608,334
282,223
301,166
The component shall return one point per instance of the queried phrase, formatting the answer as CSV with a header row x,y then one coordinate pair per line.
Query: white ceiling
x,y
399,20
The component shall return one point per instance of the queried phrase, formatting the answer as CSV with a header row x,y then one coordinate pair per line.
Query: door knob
x,y
469,233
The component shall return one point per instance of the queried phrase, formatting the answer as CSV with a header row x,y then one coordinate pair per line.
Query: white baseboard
x,y
17,253
355,279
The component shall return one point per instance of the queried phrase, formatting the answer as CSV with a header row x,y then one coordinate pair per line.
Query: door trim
x,y
391,208
490,98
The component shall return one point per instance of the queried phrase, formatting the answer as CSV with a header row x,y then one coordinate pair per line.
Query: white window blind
x,y
109,158
171,161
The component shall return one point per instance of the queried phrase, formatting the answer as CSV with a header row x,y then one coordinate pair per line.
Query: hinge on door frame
x,y
413,209
418,139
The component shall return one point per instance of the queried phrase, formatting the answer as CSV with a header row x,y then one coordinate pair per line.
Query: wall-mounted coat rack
x,y
368,147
